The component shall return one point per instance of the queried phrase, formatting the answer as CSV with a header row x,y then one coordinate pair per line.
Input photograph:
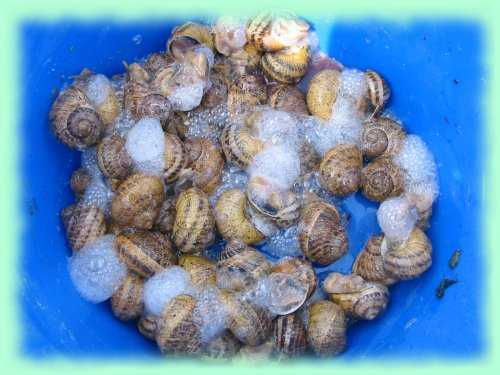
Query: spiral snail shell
x,y
378,91
326,329
322,93
66,214
137,201
176,157
166,217
287,98
381,136
369,263
126,302
112,157
85,224
381,179
194,222
206,162
340,170
246,92
225,346
301,269
359,298
201,270
189,35
239,145
80,180
156,62
290,339
147,325
286,66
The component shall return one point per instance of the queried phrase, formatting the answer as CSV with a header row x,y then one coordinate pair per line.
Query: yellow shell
x,y
188,35
382,136
126,302
147,326
246,92
225,346
382,179
176,157
231,220
299,268
239,145
286,66
137,201
290,338
166,217
322,93
326,330
80,180
201,270
85,225
287,98
194,222
206,162
112,157
340,170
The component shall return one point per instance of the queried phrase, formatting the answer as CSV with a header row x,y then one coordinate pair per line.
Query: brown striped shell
x,y
359,298
322,93
378,91
244,61
137,201
340,170
206,162
147,326
194,222
249,323
126,302
66,214
165,220
369,263
322,237
177,124
157,61
287,98
85,225
224,347
176,157
382,179
239,145
286,66
201,270
381,136
246,92
187,36
301,269
231,220
177,330
74,120
144,252
217,93
112,157
135,89
326,329
290,339
409,259
240,266
80,180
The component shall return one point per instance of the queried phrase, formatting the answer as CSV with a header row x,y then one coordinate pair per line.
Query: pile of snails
x,y
254,98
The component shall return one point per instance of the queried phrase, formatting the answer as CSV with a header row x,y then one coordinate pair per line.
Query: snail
x,y
322,93
103,97
156,62
378,92
322,237
85,224
239,145
66,214
241,62
165,220
144,252
359,298
147,325
194,222
201,269
225,346
408,259
177,330
137,201
246,92
287,98
382,179
113,159
381,136
290,338
177,124
231,220
126,302
326,328
176,157
286,66
369,263
340,170
74,120
80,180
216,95
262,352
240,266
187,36
301,269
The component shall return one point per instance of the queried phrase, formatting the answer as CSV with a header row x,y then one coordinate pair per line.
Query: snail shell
x,y
225,346
177,330
257,353
102,96
381,136
286,66
326,330
126,302
217,93
201,270
177,124
136,88
137,201
155,106
249,323
147,326
340,170
287,98
290,339
369,263
359,298
382,179
246,92
85,225
410,258
80,180
301,269
206,163
194,222
322,237
378,91
176,157
145,253
112,157
188,35
240,266
74,121
239,145
309,158
322,93
156,62
166,217
231,220
66,214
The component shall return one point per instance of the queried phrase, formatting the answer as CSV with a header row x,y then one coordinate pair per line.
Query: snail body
x,y
326,329
126,302
147,325
340,170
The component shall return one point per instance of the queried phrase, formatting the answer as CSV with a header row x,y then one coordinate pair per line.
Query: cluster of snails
x,y
151,202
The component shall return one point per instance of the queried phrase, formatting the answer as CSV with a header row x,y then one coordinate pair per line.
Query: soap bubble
x,y
89,161
397,218
232,178
352,84
276,128
283,243
416,160
98,89
98,194
210,314
186,97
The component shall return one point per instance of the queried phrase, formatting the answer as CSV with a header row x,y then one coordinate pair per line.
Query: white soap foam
x,y
284,243
99,194
210,314
352,84
98,89
232,178
187,97
417,161
397,217
277,128
89,161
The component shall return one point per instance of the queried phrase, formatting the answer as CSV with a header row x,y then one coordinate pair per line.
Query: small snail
x,y
246,92
289,336
381,136
126,302
147,325
201,269
177,125
80,180
137,201
369,263
194,222
187,36
165,220
287,98
145,253
176,157
225,346
301,269
378,91
216,95
322,93
157,61
112,157
340,170
326,329
85,225
359,298
286,66
381,179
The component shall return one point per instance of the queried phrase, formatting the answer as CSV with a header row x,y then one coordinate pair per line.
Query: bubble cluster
x,y
210,314
283,243
98,88
232,178
397,217
98,194
187,97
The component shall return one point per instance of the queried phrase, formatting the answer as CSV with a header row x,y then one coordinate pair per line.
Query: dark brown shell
x,y
290,339
166,217
147,326
136,88
322,93
326,331
322,237
137,201
145,253
378,91
382,179
154,105
201,270
206,162
287,98
239,145
177,124
369,263
176,157
246,92
80,180
300,268
217,93
340,170
381,136
225,346
126,302
286,66
85,225
112,157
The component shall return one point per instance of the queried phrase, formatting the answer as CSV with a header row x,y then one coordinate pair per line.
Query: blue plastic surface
x,y
434,69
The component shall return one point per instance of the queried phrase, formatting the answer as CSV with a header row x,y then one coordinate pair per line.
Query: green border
x,y
12,12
